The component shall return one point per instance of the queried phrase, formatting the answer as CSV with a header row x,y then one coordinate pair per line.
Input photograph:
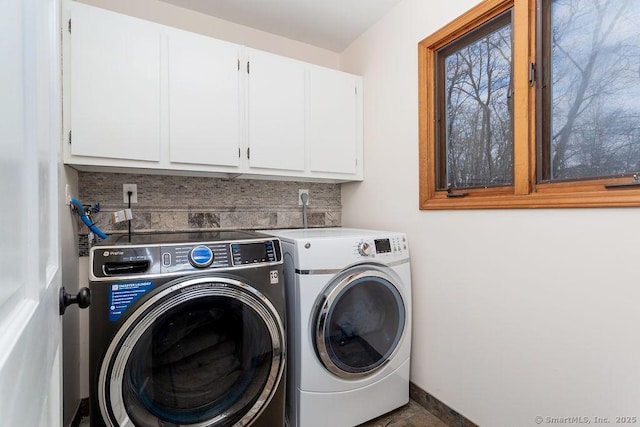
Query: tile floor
x,y
410,415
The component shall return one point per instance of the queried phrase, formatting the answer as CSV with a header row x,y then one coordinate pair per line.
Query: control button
x,y
201,256
166,259
364,248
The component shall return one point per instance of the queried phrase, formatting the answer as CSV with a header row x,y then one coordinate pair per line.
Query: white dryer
x,y
348,298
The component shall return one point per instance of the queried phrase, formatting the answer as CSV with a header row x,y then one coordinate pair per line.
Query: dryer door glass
x,y
206,355
359,324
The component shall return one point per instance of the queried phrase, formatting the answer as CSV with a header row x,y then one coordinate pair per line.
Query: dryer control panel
x,y
331,249
395,245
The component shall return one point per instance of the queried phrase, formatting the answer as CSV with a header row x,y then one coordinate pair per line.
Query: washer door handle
x,y
82,298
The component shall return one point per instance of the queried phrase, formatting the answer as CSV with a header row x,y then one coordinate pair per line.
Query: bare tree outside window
x,y
531,104
478,122
594,89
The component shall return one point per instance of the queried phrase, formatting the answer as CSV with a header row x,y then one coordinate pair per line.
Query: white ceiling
x,y
329,24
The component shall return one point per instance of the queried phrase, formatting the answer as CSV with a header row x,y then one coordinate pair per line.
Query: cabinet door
x,y
204,115
115,85
334,121
276,112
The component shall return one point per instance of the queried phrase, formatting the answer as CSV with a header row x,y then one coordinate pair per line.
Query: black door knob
x,y
82,298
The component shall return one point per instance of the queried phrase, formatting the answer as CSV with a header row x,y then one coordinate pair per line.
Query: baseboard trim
x,y
81,412
439,409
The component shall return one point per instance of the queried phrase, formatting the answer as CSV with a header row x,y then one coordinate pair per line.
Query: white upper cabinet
x,y
276,111
115,85
204,107
142,97
335,125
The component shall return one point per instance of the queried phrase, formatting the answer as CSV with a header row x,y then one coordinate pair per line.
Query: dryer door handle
x,y
82,298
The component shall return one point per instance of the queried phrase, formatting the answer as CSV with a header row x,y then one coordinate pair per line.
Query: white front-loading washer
x,y
348,298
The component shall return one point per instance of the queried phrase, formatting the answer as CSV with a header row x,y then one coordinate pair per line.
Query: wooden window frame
x,y
526,191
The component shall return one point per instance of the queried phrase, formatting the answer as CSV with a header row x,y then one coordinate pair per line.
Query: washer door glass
x,y
204,354
359,323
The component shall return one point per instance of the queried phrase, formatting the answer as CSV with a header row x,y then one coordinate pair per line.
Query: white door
x,y
115,85
334,126
204,100
30,365
276,110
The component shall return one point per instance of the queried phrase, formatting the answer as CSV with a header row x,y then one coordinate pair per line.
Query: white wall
x,y
517,313
173,16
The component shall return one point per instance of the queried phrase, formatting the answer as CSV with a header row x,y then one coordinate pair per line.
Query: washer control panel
x,y
201,256
254,253
129,261
184,257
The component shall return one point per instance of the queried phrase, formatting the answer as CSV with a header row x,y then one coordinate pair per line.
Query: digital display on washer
x,y
382,245
252,253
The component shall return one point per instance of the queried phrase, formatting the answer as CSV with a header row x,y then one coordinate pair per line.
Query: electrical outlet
x,y
134,193
67,194
300,193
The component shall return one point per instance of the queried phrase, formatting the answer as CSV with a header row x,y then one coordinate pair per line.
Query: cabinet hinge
x,y
247,67
69,26
69,137
532,74
248,152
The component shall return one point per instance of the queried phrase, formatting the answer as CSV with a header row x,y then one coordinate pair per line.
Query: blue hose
x,y
83,216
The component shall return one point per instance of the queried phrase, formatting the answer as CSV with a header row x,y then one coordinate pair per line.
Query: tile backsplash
x,y
184,203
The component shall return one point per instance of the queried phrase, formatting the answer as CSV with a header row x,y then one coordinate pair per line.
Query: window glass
x,y
475,134
593,89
